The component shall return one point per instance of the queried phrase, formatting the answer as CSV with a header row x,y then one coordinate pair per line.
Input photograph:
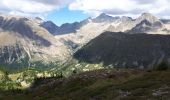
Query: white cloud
x,y
122,7
91,7
31,7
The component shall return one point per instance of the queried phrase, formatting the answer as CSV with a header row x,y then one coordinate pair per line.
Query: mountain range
x,y
32,41
91,28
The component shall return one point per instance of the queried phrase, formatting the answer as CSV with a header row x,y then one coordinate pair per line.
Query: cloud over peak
x,y
91,7
121,7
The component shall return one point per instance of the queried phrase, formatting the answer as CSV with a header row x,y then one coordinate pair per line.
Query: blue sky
x,y
64,15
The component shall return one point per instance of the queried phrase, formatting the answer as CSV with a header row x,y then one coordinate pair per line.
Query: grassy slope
x,y
100,85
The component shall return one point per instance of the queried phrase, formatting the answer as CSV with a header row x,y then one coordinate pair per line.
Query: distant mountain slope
x,y
126,50
24,41
65,28
80,34
50,27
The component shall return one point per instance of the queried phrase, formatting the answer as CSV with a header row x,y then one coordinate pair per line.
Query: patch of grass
x,y
99,85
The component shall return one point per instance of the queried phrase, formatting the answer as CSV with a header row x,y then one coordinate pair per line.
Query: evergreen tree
x,y
5,77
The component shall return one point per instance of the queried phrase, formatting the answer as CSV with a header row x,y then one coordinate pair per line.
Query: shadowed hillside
x,y
126,50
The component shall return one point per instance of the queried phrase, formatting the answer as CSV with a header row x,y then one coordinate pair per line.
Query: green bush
x,y
162,66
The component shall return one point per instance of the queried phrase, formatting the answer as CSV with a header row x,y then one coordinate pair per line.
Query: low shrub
x,y
162,66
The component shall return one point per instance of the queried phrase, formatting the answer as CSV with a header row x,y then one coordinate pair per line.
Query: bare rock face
x,y
145,26
147,23
147,16
14,56
23,41
10,54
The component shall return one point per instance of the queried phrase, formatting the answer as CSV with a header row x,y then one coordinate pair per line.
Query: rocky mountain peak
x,y
105,18
103,15
125,18
50,27
38,18
149,17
